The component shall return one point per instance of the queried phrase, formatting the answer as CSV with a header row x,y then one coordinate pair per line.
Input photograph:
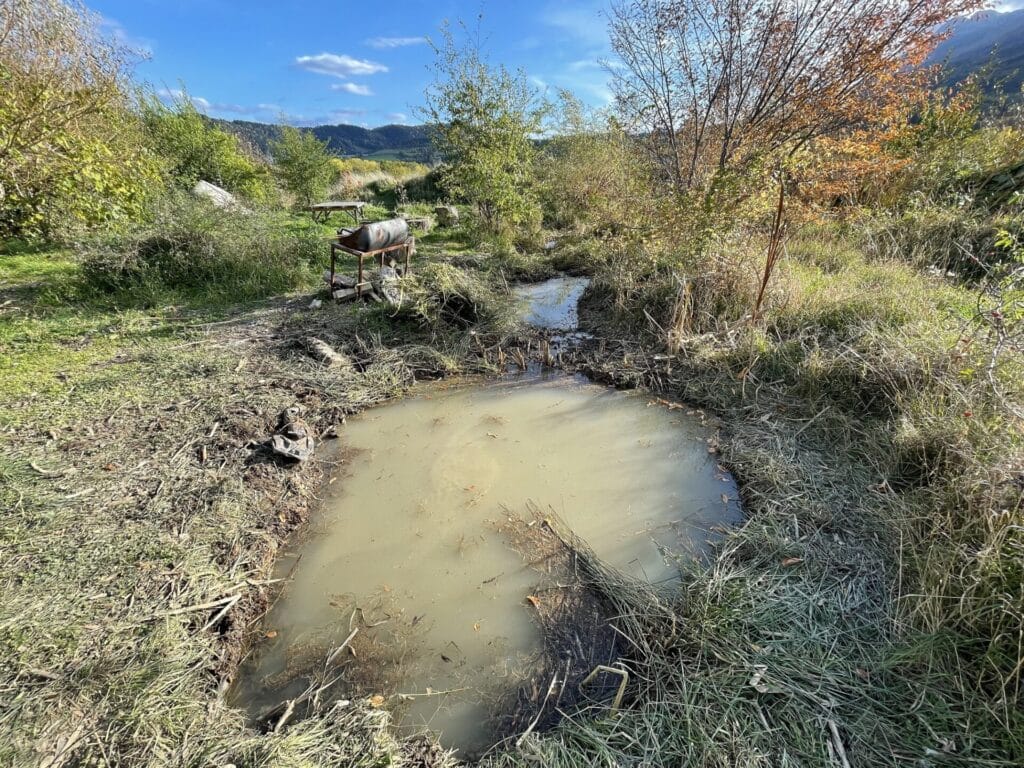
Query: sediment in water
x,y
417,553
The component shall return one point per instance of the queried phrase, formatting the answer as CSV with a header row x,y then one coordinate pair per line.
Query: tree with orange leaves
x,y
715,85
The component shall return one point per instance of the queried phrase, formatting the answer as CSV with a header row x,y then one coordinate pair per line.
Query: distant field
x,y
407,155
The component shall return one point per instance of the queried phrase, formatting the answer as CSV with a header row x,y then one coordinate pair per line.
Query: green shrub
x,y
302,164
591,174
195,249
193,150
355,165
486,118
70,151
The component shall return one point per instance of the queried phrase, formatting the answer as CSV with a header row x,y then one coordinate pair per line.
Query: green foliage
x,y
193,150
103,176
591,175
485,119
355,165
303,165
948,150
70,149
196,249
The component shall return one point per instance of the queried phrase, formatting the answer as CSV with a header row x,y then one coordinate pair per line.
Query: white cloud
x,y
588,25
395,42
346,114
172,95
115,29
397,117
353,88
582,64
338,65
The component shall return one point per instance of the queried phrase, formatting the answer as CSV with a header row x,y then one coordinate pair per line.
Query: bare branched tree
x,y
715,84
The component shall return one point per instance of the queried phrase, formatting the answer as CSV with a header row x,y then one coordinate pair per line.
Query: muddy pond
x,y
409,563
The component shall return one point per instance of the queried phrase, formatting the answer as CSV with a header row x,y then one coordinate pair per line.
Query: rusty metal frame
x,y
406,247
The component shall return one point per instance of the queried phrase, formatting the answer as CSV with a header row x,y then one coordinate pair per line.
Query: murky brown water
x,y
407,550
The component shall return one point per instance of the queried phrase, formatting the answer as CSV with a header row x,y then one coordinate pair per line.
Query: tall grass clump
x,y
874,422
441,294
194,248
386,182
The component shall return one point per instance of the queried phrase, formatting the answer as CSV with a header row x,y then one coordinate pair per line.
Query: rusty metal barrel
x,y
381,234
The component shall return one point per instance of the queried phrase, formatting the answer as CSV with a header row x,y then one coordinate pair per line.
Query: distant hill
x,y
389,142
996,38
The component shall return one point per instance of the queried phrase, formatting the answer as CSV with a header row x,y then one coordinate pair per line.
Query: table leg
x,y
330,288
359,279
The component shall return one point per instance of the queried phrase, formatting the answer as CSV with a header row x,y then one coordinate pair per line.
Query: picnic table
x,y
322,211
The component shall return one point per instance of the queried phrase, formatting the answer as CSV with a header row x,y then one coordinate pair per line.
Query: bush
x,y
591,175
193,149
302,164
193,248
70,151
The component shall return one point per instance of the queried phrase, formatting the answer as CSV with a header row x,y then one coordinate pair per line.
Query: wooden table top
x,y
337,205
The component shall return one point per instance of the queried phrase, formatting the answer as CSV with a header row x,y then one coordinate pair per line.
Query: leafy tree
x,y
485,119
303,164
715,85
70,153
195,149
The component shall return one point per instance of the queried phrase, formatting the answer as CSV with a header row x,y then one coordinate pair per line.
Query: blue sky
x,y
365,63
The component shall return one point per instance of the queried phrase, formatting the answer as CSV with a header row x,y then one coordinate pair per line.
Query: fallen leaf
x,y
376,701
863,674
725,498
271,634
476,626
789,561
535,602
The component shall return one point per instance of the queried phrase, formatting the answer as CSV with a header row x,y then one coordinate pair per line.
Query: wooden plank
x,y
356,252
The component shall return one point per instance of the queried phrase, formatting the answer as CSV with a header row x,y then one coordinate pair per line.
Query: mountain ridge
x,y
386,142
982,40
